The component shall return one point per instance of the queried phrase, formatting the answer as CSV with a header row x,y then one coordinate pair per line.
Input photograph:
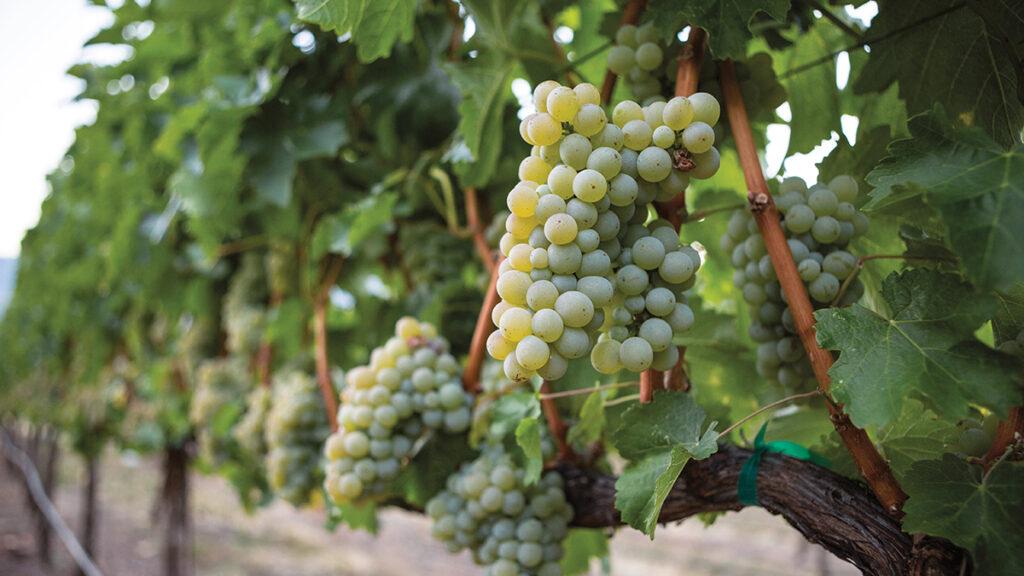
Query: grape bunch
x,y
249,433
220,384
819,223
582,260
244,313
638,57
296,428
410,387
511,528
976,436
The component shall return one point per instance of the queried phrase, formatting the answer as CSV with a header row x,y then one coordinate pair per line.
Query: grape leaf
x,y
528,438
917,434
983,512
977,188
344,232
951,59
484,83
659,439
580,546
591,421
1009,319
813,98
375,25
924,348
726,21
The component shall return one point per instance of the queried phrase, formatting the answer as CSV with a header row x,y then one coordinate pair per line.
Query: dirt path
x,y
279,540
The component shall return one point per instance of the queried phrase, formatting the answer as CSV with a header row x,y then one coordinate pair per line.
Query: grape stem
x,y
860,266
1009,432
767,407
872,466
630,16
484,327
556,425
332,270
585,391
702,214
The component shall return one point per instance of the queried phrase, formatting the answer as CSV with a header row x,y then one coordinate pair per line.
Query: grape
x,y
706,164
678,113
705,108
626,111
560,181
575,309
636,354
589,185
587,93
564,259
544,129
698,137
677,267
974,442
296,428
519,257
512,286
648,253
515,324
574,343
605,357
583,212
559,229
609,137
594,264
589,120
541,92
663,137
636,135
541,295
606,161
824,288
654,164
498,346
681,319
621,60
657,332
562,104
800,219
845,188
588,240
574,151
648,56
221,384
809,270
823,202
631,280
622,190
546,325
532,353
599,289
549,205
825,230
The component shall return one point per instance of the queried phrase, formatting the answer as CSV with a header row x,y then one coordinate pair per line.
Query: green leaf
x,y
528,438
813,97
924,348
375,25
582,545
727,21
643,486
659,438
951,59
1008,321
509,410
977,187
918,434
982,512
590,424
484,83
343,233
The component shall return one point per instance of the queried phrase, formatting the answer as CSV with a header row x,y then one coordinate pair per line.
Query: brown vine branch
x,y
476,228
828,509
556,425
1009,432
676,379
870,463
484,327
457,27
630,15
323,370
647,379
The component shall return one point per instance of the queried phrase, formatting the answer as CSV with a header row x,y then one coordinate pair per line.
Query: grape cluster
x,y
296,428
511,528
411,386
582,260
244,312
249,433
976,436
819,223
638,57
220,383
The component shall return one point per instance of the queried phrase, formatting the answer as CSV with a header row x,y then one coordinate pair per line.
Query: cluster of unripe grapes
x,y
244,305
296,428
638,57
411,386
511,528
819,223
583,262
976,436
220,383
250,432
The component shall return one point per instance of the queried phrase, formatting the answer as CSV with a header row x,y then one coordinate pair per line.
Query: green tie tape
x,y
747,489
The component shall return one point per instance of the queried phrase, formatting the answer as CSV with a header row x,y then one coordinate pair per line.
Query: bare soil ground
x,y
279,540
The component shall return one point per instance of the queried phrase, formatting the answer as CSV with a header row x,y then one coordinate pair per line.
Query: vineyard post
x,y
872,466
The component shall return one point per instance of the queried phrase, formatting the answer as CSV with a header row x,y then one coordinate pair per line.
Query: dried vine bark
x,y
870,463
828,509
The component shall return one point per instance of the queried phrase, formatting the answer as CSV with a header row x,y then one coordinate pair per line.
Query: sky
x,y
39,41
38,116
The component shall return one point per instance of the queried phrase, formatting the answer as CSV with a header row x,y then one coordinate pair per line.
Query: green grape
x,y
823,202
706,164
609,137
626,35
589,120
532,352
800,219
621,59
654,164
564,259
648,56
845,188
515,324
636,354
574,151
544,129
677,267
974,442
825,230
824,288
546,325
598,289
657,332
562,104
541,295
606,161
559,229
560,180
678,113
295,430
698,137
573,343
583,212
648,253
665,359
512,286
631,280
549,205
625,112
590,185
587,93
705,108
809,270
575,308
636,135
